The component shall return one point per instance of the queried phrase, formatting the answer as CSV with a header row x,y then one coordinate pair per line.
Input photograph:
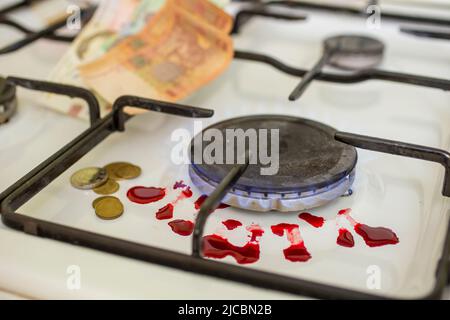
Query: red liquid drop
x,y
232,224
313,220
198,203
182,227
376,236
215,246
187,193
345,238
179,185
144,195
297,253
165,212
279,228
344,211
255,232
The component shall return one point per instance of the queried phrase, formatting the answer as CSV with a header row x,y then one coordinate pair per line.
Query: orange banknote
x,y
208,12
176,53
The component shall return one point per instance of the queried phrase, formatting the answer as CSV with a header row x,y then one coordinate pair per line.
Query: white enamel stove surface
x,y
395,192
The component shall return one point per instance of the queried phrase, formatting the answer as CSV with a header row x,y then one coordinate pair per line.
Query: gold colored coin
x,y
128,171
122,170
109,187
89,178
109,208
111,169
96,201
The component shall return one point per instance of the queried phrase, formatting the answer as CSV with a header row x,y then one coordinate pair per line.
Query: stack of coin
x,y
109,187
108,208
89,178
122,171
104,182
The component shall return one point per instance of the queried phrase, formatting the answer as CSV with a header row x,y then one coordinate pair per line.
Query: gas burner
x,y
8,101
314,168
348,52
351,52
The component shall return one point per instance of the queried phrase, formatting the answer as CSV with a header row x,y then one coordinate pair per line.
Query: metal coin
x,y
109,208
109,187
96,201
122,170
128,171
89,178
111,169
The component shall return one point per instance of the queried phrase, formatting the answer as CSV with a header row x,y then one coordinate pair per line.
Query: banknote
x,y
176,53
113,21
100,34
207,11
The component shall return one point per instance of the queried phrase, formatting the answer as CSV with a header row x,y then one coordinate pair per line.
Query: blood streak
x,y
179,185
198,203
255,232
182,227
187,193
373,236
231,224
297,251
144,195
345,238
313,220
376,237
165,212
215,246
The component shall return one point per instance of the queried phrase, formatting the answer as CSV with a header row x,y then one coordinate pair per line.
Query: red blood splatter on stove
x,y
255,232
182,227
297,251
179,185
373,236
313,220
280,228
198,203
344,212
376,236
187,193
231,224
165,212
215,246
144,195
345,238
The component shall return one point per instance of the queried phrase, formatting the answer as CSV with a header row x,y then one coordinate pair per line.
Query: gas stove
x,y
352,212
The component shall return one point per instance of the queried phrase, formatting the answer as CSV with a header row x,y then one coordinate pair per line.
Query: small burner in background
x,y
8,101
354,52
314,168
348,52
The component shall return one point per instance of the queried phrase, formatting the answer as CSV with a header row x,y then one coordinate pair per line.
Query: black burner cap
x,y
309,156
